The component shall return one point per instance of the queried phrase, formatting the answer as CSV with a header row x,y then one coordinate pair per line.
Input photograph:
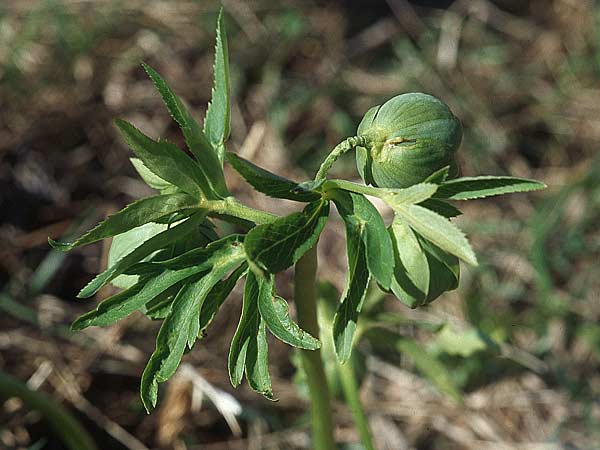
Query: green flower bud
x,y
407,139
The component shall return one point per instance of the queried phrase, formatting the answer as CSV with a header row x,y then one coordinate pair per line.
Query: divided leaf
x,y
216,124
201,148
270,184
133,215
182,326
346,316
359,214
274,311
167,161
150,246
275,246
249,352
228,253
468,188
438,230
170,344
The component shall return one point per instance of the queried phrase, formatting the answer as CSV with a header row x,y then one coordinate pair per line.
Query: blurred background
x,y
519,338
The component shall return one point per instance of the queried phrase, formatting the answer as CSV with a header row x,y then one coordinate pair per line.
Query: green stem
x,y
305,295
350,388
230,206
343,147
72,434
355,187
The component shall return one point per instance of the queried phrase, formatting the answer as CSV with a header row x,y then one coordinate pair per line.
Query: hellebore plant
x,y
174,267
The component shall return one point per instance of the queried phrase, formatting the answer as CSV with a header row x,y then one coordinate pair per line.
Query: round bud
x,y
407,139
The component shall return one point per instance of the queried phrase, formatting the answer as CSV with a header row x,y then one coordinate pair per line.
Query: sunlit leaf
x,y
277,245
133,215
216,124
468,188
269,183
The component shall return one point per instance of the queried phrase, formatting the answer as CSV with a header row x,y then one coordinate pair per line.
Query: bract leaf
x,y
411,273
438,230
359,214
346,316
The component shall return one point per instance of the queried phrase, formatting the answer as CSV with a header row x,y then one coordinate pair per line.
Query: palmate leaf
x,y
182,326
346,316
133,215
167,161
150,246
249,352
444,269
423,271
270,184
438,230
359,214
274,311
277,245
201,148
216,124
224,251
468,188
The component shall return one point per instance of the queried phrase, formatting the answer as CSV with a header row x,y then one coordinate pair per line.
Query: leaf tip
x,y
78,325
62,246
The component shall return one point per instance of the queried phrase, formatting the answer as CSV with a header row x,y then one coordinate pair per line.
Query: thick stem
x,y
305,296
343,147
350,388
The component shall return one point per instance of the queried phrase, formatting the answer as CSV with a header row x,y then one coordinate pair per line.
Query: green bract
x,y
407,139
